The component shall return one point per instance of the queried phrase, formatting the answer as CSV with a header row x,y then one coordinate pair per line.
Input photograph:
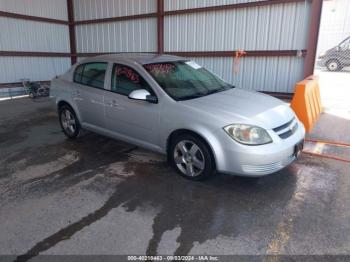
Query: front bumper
x,y
255,161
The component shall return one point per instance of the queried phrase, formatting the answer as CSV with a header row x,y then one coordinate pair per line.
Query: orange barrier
x,y
306,102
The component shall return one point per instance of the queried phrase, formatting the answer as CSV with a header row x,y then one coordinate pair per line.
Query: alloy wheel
x,y
68,121
189,158
333,66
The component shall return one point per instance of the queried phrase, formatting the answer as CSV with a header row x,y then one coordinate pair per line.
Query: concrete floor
x,y
99,196
335,90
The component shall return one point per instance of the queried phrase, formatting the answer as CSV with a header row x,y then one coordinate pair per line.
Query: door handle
x,y
76,96
96,102
76,93
112,103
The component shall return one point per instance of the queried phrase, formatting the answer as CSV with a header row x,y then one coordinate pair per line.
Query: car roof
x,y
140,58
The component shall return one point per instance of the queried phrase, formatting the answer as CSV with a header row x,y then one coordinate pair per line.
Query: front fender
x,y
202,131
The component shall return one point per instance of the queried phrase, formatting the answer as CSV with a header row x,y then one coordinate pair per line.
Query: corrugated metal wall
x,y
127,36
13,69
276,27
96,9
272,74
170,5
23,35
44,8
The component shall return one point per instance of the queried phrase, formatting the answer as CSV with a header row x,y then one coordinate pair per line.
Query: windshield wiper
x,y
215,91
191,97
206,94
222,89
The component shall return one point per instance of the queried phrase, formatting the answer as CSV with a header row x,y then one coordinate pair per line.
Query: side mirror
x,y
143,95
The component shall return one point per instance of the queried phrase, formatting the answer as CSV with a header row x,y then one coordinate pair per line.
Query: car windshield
x,y
184,80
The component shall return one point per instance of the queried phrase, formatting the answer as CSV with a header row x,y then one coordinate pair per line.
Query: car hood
x,y
332,50
242,106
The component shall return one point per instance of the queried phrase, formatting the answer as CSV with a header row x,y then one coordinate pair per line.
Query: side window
x,y
94,74
125,80
78,73
345,45
91,74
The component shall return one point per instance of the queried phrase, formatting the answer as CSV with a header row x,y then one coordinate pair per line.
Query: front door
x,y
137,121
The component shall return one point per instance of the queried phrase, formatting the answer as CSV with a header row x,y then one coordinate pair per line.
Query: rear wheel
x,y
69,122
191,157
333,65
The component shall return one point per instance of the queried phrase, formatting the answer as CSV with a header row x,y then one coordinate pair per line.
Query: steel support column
x,y
314,29
160,26
72,40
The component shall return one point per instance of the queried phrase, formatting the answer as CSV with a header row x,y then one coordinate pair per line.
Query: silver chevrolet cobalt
x,y
174,106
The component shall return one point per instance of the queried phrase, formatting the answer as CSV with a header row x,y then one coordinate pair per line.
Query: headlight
x,y
322,55
248,135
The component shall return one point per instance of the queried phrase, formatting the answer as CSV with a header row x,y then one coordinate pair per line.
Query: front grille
x,y
288,129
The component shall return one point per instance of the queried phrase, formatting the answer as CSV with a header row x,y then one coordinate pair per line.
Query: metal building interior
x,y
98,196
277,60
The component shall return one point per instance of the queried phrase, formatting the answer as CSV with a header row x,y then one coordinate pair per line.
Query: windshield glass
x,y
185,80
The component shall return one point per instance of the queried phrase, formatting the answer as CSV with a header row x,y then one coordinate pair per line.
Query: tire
x,y
333,65
191,157
69,122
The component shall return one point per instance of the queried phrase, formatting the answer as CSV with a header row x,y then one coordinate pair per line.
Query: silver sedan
x,y
174,106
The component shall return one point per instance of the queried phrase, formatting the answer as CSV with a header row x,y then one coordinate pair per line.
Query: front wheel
x,y
333,65
191,157
69,122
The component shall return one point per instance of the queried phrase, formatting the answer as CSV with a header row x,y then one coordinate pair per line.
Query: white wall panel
x,y
335,24
186,4
12,69
273,74
56,9
276,27
127,36
95,9
22,35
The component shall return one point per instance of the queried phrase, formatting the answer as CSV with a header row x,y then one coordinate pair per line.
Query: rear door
x,y
89,91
